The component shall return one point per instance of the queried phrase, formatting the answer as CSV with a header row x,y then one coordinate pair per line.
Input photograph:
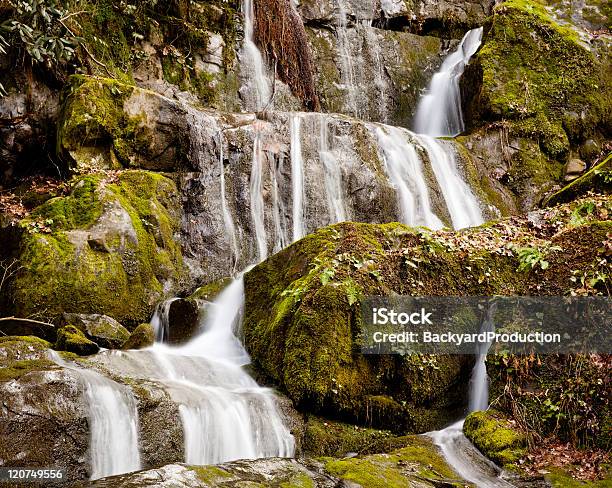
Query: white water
x,y
459,452
333,176
257,91
297,177
257,201
373,44
228,221
439,111
405,171
460,200
278,210
113,423
346,61
160,320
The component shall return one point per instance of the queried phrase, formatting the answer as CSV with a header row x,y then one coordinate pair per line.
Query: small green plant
x,y
532,257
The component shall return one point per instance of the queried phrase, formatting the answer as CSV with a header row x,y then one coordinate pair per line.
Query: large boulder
x,y
302,316
109,247
143,336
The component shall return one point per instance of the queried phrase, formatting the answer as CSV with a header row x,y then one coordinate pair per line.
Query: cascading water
x,y
333,176
257,201
439,114
256,90
346,60
297,177
459,452
161,321
460,200
373,45
278,210
405,171
439,111
228,221
113,422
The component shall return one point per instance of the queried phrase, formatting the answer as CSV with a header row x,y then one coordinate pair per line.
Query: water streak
x,y
333,176
230,228
461,202
257,201
297,177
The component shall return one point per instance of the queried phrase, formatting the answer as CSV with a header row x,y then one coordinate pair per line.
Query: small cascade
x,y
373,45
346,61
257,201
297,177
333,176
113,423
405,171
230,228
278,210
161,321
256,91
439,111
460,200
459,452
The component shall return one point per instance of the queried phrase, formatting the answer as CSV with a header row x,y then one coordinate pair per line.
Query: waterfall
x,y
225,414
160,320
405,171
373,44
297,177
278,210
458,451
439,114
346,60
439,111
257,91
460,200
113,423
257,201
333,176
479,383
230,228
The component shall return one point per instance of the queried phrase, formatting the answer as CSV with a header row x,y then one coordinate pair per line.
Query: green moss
x,y
300,480
142,336
18,369
495,437
422,460
121,276
210,474
558,478
71,339
537,75
598,178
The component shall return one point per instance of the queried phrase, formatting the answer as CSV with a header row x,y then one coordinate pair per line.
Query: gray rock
x,y
103,330
589,150
573,169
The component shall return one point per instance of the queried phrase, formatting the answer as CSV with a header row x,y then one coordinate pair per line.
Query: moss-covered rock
x,y
143,336
103,330
108,248
302,310
598,178
496,437
540,77
324,437
71,339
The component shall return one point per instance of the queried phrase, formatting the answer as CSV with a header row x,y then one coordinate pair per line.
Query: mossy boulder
x,y
143,336
102,329
302,312
325,437
496,437
109,247
71,339
540,78
20,355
